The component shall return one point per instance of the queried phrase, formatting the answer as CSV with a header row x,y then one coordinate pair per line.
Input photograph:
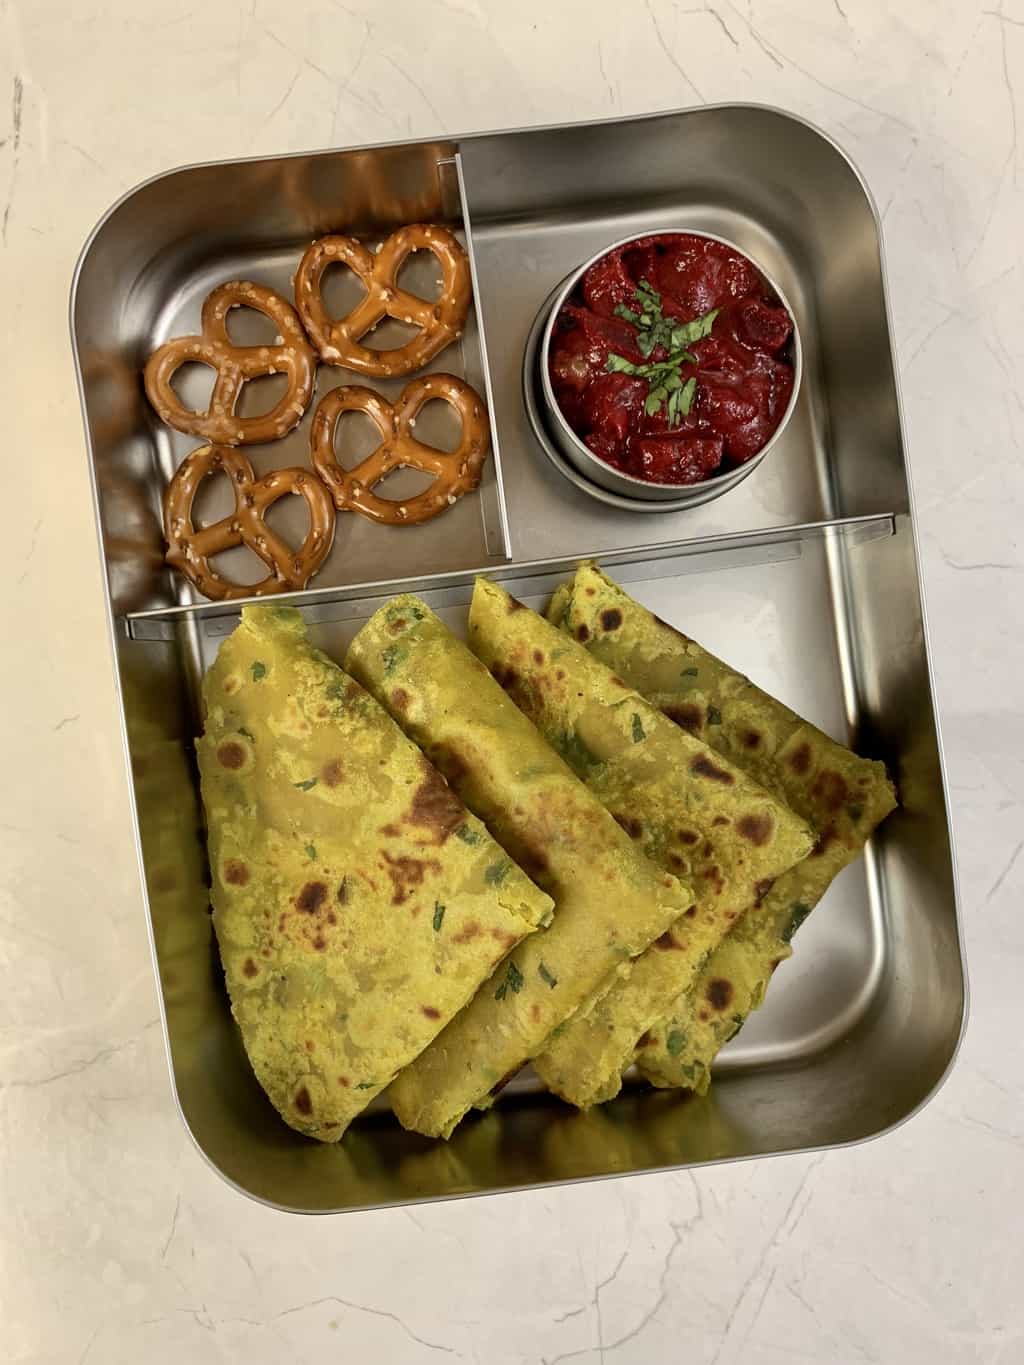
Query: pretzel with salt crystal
x,y
455,472
290,355
440,322
191,548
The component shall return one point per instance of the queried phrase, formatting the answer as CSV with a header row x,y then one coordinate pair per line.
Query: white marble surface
x,y
117,1244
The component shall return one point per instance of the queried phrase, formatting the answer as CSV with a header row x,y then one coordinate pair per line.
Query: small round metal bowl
x,y
594,475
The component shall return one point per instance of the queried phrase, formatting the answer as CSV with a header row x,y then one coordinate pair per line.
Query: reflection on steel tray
x,y
804,576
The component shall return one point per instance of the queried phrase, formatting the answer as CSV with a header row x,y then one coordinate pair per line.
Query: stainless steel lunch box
x,y
805,577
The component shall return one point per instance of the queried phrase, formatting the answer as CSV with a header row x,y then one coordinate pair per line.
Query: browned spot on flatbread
x,y
750,739
719,993
514,605
721,820
310,1045
406,873
303,1103
342,893
535,1012
560,673
665,943
713,876
249,967
702,766
800,759
762,888
582,632
756,828
430,1012
611,618
538,656
467,933
390,830
676,863
687,836
320,943
691,913
311,897
686,714
236,872
232,683
230,754
344,1080
633,827
435,807
396,626
331,773
830,790
503,936
352,691
645,1039
400,699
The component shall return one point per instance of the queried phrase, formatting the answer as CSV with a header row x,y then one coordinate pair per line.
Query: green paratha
x,y
842,796
690,810
610,901
354,899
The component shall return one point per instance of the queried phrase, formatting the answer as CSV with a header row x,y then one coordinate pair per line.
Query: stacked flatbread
x,y
581,842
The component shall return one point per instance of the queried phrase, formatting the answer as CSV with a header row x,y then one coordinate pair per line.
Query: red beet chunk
x,y
640,259
682,459
720,356
613,405
581,344
605,448
746,408
756,324
607,284
701,275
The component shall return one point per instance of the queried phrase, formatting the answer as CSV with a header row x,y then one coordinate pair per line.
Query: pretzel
x,y
455,472
291,355
191,549
337,341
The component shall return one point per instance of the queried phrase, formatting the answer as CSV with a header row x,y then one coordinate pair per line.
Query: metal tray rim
x,y
756,105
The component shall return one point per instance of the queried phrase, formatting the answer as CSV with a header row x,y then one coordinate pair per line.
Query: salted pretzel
x,y
338,340
455,472
191,549
290,355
